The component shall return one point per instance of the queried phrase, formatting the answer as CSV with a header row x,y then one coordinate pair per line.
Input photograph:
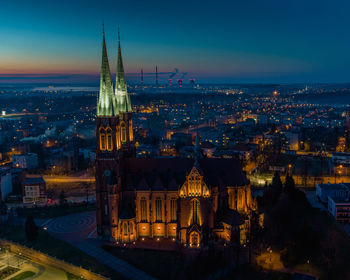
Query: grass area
x,y
71,276
160,264
6,272
49,212
59,249
23,275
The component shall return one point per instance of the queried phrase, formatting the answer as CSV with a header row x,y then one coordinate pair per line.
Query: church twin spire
x,y
123,98
110,103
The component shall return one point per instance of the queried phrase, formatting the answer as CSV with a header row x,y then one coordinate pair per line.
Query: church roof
x,y
232,218
169,173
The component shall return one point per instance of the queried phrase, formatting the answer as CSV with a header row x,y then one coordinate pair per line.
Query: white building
x,y
34,190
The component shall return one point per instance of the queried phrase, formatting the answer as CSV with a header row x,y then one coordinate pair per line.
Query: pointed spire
x,y
107,103
118,37
121,93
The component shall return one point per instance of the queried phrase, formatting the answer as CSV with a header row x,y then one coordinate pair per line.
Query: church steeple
x,y
121,93
107,103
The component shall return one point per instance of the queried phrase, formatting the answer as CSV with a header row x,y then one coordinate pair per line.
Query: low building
x,y
244,151
34,190
340,209
337,191
25,161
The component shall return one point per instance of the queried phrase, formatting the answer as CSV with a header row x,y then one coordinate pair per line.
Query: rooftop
x,y
33,180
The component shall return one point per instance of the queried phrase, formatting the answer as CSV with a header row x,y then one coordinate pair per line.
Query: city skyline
x,y
228,43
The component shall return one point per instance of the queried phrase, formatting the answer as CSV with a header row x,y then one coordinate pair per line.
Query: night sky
x,y
283,41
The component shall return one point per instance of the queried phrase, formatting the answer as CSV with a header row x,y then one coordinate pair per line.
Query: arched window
x,y
158,209
123,132
131,229
230,199
102,139
143,208
125,228
118,137
173,209
131,134
240,200
195,212
109,140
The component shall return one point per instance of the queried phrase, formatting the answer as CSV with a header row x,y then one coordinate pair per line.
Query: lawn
x,y
59,249
160,264
23,275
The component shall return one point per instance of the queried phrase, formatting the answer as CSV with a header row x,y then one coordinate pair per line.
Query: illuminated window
x,y
123,132
125,229
102,140
195,212
143,207
109,140
118,137
130,131
158,209
240,200
173,208
230,199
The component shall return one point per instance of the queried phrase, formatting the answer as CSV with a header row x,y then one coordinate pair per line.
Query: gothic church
x,y
185,200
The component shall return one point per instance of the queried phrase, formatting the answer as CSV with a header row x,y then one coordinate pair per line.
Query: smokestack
x,y
192,81
156,76
179,81
170,82
141,77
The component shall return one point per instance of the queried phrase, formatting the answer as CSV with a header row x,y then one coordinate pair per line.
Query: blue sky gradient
x,y
213,41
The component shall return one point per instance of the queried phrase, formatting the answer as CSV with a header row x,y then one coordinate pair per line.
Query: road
x,y
67,179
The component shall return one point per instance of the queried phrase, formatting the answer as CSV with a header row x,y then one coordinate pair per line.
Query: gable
x,y
194,185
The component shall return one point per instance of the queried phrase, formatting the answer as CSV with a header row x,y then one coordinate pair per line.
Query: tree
x,y
31,229
273,191
289,185
276,182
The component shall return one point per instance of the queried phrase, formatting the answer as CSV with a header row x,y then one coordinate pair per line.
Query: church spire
x,y
121,93
107,103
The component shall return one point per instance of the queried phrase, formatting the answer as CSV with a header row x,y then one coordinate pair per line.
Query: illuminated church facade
x,y
186,200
